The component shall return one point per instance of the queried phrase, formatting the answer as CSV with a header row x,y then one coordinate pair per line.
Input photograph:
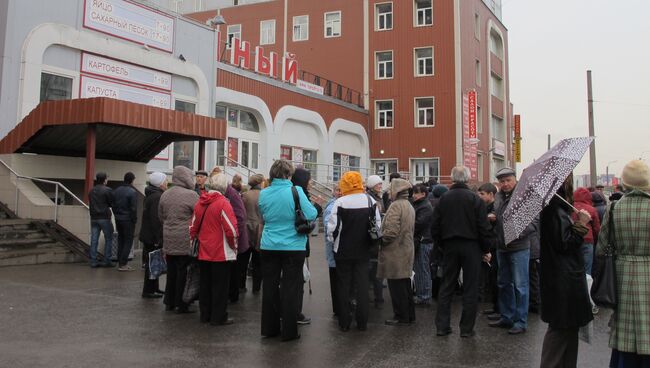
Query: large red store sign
x,y
240,55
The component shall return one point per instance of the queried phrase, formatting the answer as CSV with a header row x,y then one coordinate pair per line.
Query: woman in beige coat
x,y
396,253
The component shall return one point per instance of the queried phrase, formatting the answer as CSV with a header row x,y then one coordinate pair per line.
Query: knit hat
x,y
351,183
636,175
372,181
439,190
157,178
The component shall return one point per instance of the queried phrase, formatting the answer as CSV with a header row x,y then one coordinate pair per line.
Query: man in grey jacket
x,y
513,258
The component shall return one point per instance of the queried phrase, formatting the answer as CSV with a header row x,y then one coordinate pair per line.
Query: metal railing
x,y
333,89
56,184
230,165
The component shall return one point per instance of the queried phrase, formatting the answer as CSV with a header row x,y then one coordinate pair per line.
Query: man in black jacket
x,y
460,227
151,233
99,202
125,209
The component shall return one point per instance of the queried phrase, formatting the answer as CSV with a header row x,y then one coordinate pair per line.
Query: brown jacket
x,y
175,211
253,216
396,251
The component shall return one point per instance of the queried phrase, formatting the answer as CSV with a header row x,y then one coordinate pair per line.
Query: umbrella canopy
x,y
539,182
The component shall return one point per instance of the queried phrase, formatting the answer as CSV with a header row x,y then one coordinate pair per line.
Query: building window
x,y
424,170
243,120
184,106
267,32
384,114
234,31
309,160
220,111
423,12
384,65
496,44
333,24
423,61
385,168
301,28
496,87
344,163
479,161
221,153
384,16
477,26
55,87
497,128
424,112
249,154
479,120
477,72
184,151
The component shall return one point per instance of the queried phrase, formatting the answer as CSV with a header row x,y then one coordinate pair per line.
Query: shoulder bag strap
x,y
611,234
296,200
201,222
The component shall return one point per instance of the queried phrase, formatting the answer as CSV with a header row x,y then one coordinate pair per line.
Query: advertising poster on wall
x,y
184,154
233,151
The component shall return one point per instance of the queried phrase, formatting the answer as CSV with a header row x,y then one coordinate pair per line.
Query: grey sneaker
x,y
595,310
304,321
125,268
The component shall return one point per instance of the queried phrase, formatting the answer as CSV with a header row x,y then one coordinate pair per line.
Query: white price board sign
x,y
92,87
130,21
113,69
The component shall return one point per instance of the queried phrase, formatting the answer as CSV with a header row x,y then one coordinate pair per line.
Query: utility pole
x,y
592,149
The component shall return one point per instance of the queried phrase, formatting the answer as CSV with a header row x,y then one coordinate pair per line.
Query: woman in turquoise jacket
x,y
282,252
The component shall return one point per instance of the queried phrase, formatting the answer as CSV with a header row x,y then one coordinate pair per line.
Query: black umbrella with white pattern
x,y
539,182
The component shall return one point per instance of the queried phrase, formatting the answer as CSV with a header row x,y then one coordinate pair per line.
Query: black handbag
x,y
303,226
603,290
194,250
374,230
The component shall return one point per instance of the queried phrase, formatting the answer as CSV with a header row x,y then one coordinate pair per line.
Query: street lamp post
x,y
607,171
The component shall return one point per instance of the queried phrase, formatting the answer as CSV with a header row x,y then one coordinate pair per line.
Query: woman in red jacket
x,y
582,201
215,225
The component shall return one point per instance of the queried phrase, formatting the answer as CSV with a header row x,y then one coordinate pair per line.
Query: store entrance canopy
x,y
124,130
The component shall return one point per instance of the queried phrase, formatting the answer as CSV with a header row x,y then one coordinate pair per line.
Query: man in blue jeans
x,y
125,209
100,200
512,279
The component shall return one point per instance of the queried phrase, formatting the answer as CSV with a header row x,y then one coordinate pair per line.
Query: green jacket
x,y
630,324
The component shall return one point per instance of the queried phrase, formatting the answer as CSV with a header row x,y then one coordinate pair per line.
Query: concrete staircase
x,y
27,242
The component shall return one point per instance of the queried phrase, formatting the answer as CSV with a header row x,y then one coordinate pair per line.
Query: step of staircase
x,y
24,242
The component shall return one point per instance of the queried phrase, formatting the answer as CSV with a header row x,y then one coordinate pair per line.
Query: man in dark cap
x,y
99,202
201,178
125,208
513,258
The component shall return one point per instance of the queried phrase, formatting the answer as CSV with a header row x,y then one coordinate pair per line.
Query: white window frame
x,y
479,119
377,16
415,14
332,23
234,35
414,160
477,72
416,61
61,72
392,62
477,26
417,110
270,33
301,25
479,166
378,114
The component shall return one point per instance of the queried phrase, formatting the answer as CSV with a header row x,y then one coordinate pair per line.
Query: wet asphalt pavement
x,y
70,315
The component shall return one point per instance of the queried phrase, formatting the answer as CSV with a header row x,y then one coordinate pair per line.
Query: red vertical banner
x,y
233,148
517,126
471,113
285,153
470,144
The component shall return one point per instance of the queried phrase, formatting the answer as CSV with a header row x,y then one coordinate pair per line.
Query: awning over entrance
x,y
124,130
108,129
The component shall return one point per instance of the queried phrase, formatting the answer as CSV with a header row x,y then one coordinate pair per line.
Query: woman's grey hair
x,y
281,169
460,174
219,183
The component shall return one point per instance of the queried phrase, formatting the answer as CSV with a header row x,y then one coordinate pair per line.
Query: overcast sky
x,y
552,44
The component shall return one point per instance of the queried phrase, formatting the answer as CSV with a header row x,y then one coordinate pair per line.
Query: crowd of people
x,y
425,241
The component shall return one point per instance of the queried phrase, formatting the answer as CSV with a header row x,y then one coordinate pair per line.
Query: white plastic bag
x,y
305,272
